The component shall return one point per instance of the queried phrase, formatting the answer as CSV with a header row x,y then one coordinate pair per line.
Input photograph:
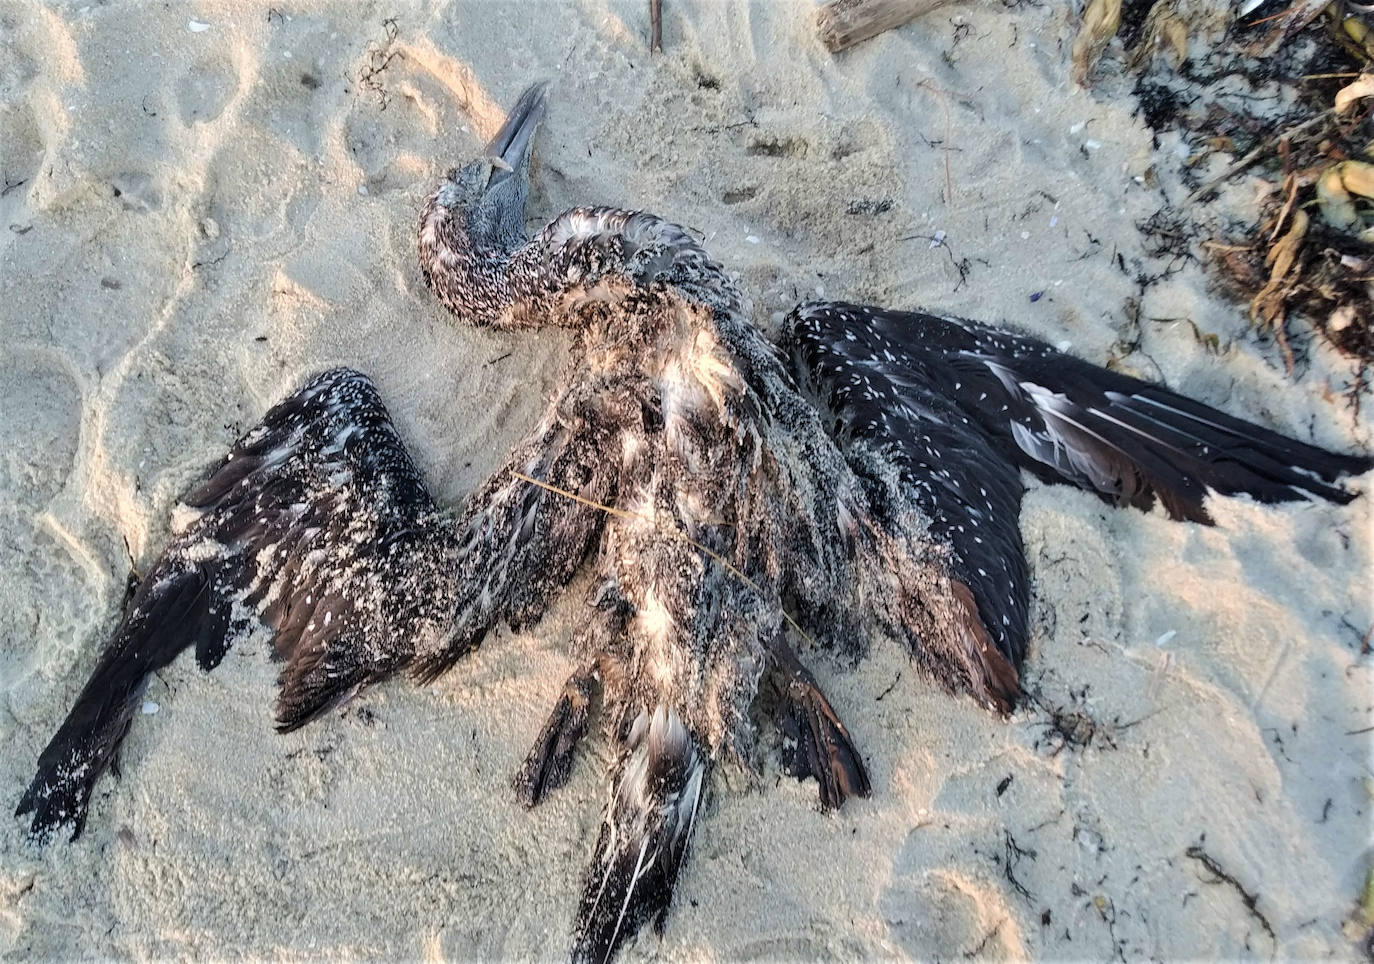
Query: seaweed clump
x,y
1287,95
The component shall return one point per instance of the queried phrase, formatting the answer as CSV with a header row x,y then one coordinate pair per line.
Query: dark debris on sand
x,y
1252,100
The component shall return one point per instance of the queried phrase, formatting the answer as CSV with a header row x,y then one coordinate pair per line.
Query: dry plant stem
x,y
1218,246
720,560
844,23
1101,18
1292,192
1297,16
1272,17
944,104
1268,305
1255,155
656,26
1281,336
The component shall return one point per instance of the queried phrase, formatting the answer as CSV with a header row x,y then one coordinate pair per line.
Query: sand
x,y
205,202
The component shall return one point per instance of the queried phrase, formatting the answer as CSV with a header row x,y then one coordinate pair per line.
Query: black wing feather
x,y
1070,421
888,415
318,523
323,470
957,408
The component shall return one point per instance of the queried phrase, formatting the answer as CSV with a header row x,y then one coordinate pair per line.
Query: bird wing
x,y
318,524
888,420
1070,421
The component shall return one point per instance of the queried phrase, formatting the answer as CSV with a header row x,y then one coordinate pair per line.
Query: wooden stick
x,y
655,26
844,23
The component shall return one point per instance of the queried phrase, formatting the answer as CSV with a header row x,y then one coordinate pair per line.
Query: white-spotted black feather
x,y
960,408
1067,420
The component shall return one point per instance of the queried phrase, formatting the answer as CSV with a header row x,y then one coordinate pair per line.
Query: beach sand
x,y
205,202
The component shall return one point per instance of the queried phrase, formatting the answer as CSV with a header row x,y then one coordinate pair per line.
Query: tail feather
x,y
655,798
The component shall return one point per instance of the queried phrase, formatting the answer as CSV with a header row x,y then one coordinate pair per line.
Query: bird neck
x,y
544,280
468,277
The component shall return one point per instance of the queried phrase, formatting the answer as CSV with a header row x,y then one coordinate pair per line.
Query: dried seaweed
x,y
380,54
1309,270
1308,257
1221,876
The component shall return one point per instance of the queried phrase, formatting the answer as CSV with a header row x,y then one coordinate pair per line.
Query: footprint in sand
x,y
777,145
940,909
38,435
137,191
21,156
387,145
409,106
206,89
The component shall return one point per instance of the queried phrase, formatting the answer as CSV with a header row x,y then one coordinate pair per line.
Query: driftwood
x,y
844,23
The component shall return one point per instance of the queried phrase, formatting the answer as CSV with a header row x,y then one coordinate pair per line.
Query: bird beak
x,y
509,151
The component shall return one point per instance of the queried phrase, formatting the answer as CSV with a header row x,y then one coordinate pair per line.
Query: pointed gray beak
x,y
509,150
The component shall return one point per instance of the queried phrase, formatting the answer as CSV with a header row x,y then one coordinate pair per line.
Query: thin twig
x,y
1287,206
656,26
944,103
1255,155
724,563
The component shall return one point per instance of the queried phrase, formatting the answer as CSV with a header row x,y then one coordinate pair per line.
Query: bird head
x,y
486,197
473,223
